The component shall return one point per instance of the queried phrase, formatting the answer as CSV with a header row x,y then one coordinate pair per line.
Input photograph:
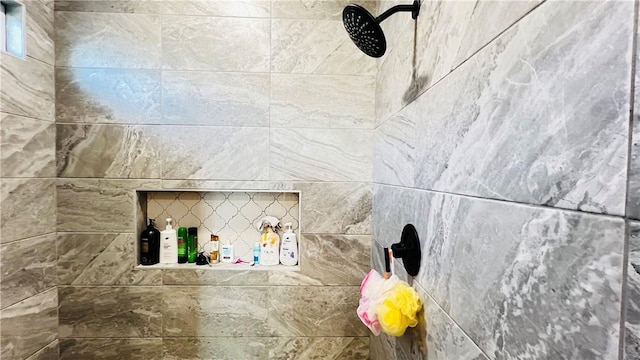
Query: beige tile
x,y
309,46
27,207
111,6
113,151
212,43
110,312
215,311
322,101
27,87
199,98
85,95
217,277
28,268
49,352
315,311
321,154
315,10
382,347
214,153
222,8
328,260
101,259
39,16
219,348
107,40
29,325
27,147
98,205
319,348
110,349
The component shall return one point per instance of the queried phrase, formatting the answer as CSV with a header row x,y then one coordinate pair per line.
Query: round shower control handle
x,y
408,249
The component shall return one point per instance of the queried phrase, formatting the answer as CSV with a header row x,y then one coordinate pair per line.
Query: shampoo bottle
x,y
269,247
168,244
227,253
289,251
150,245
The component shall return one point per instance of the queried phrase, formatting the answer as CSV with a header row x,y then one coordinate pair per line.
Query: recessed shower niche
x,y
231,215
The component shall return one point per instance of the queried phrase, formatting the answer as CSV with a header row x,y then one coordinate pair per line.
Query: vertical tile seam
x,y
625,251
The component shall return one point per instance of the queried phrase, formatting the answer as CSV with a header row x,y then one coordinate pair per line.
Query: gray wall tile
x,y
110,349
27,87
113,151
204,98
112,312
632,316
20,338
225,8
315,10
321,154
28,268
223,348
27,147
318,348
111,6
27,207
202,43
107,40
101,259
394,147
39,16
86,95
322,101
217,277
49,352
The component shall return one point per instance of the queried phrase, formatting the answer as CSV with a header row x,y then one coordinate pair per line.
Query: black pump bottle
x,y
150,245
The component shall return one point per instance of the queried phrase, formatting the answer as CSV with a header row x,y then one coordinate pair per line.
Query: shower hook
x,y
408,249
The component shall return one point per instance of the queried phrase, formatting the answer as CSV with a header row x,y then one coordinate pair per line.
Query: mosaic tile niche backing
x,y
230,215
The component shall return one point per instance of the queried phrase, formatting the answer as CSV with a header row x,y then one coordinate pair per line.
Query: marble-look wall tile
x,y
316,47
19,337
217,278
328,260
86,95
215,311
387,223
314,311
633,193
98,205
27,87
214,153
632,316
336,208
216,185
219,348
322,101
502,126
319,348
526,245
28,268
315,10
27,147
321,154
107,40
49,352
101,259
223,8
436,337
110,311
382,347
113,151
39,16
110,349
394,146
203,43
27,208
111,6
203,98
489,19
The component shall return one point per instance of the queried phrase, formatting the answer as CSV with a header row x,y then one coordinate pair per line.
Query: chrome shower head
x,y
364,28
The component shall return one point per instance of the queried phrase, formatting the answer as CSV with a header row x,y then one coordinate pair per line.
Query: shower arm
x,y
415,8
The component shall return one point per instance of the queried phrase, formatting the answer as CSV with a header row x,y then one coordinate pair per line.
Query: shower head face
x,y
364,30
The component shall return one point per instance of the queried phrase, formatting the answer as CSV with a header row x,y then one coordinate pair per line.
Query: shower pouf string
x,y
387,303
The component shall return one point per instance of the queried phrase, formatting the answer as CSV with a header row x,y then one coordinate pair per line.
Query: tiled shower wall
x,y
503,134
28,292
239,95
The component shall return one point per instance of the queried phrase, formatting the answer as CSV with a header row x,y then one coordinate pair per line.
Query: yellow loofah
x,y
399,310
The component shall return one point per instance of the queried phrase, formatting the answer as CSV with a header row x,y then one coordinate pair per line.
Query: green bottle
x,y
182,245
192,244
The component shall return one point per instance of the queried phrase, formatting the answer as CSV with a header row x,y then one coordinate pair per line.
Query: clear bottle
x,y
269,247
227,253
214,249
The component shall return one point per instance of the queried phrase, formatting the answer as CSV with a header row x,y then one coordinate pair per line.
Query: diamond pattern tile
x,y
230,215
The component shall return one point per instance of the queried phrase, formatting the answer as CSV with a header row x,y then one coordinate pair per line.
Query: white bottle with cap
x,y
289,251
168,245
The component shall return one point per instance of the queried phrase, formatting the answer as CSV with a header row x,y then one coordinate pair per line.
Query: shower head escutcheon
x,y
364,29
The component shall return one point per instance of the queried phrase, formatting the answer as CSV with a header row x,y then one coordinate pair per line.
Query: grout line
x,y
28,117
15,241
510,202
